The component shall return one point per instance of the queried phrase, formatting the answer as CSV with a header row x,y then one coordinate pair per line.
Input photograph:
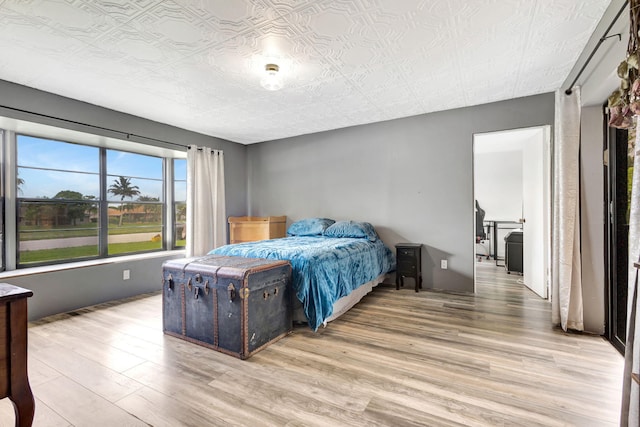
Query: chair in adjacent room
x,y
481,235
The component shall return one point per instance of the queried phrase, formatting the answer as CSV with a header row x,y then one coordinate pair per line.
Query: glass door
x,y
618,172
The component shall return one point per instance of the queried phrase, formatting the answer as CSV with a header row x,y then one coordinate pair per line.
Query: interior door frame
x,y
548,165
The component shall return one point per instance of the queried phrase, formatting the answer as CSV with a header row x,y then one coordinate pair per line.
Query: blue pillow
x,y
354,229
309,227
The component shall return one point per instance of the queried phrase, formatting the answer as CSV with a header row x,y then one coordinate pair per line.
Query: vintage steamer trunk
x,y
231,304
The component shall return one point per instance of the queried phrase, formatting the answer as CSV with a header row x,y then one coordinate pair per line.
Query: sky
x,y
77,169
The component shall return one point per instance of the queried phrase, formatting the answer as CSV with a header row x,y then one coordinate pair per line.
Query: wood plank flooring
x,y
396,359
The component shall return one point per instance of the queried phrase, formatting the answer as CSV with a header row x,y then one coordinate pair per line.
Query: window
x,y
78,202
58,188
134,193
180,202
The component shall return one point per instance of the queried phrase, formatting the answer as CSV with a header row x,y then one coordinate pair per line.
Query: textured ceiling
x,y
197,64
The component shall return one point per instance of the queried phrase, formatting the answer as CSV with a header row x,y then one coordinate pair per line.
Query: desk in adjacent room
x,y
495,226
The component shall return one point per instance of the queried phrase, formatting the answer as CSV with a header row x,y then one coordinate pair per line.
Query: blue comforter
x,y
324,268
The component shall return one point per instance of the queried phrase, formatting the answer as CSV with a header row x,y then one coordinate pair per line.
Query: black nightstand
x,y
409,263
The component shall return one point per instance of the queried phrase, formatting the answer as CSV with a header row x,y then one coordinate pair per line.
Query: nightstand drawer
x,y
407,266
407,252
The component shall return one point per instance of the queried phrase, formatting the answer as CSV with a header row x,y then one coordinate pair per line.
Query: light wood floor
x,y
398,358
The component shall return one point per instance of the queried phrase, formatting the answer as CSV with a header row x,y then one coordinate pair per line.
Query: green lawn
x,y
27,257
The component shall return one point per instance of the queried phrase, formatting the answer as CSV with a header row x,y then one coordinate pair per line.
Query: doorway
x,y
512,185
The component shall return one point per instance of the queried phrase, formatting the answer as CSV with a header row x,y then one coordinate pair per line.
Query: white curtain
x,y
631,396
566,268
206,214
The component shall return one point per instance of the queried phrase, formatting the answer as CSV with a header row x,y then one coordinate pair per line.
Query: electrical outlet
x,y
443,264
126,274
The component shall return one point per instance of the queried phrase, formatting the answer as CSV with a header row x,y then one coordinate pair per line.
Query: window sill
x,y
83,264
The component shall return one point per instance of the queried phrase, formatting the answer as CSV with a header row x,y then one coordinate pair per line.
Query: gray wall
x,y
65,290
410,177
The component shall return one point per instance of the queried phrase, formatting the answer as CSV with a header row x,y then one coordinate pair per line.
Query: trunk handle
x,y
231,291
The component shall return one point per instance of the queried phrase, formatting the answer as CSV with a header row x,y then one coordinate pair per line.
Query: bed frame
x,y
342,305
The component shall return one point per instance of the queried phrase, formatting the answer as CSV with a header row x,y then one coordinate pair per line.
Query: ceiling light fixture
x,y
272,80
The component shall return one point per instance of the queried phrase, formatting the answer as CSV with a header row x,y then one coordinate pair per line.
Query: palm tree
x,y
122,187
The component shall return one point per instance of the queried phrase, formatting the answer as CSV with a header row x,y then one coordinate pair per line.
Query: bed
x,y
334,263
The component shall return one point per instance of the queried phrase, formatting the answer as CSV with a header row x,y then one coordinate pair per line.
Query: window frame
x,y
109,200
11,214
174,205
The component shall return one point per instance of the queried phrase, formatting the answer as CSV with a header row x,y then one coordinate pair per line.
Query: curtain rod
x,y
213,150
124,135
593,52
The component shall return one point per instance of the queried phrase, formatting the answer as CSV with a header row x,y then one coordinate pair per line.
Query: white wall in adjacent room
x,y
498,184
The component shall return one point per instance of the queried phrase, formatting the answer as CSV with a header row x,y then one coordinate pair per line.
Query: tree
x,y
72,211
32,213
181,211
19,184
181,217
92,208
122,187
153,209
